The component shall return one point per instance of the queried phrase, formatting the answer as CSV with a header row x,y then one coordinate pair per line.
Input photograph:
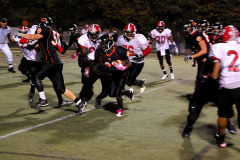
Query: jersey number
x,y
231,67
160,39
55,38
129,48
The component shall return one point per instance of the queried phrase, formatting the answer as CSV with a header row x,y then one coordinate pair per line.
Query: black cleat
x,y
98,103
131,95
65,103
186,132
220,140
231,128
11,70
30,97
41,103
81,106
26,80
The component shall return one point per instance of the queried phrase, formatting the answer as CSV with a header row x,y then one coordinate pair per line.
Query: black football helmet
x,y
45,21
191,26
72,29
204,25
106,42
217,28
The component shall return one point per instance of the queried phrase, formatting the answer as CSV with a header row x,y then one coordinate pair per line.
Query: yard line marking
x,y
40,125
71,115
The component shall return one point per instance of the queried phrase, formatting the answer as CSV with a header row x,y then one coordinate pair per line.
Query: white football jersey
x,y
228,55
28,54
135,46
84,41
161,39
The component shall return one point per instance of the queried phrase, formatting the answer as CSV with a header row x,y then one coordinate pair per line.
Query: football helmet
x,y
204,25
129,31
72,29
93,32
45,22
229,33
106,42
191,26
217,28
23,29
161,26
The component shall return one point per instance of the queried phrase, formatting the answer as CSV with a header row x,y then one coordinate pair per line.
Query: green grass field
x,y
149,130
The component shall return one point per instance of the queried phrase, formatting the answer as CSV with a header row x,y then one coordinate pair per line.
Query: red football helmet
x,y
93,32
23,29
229,33
161,26
130,31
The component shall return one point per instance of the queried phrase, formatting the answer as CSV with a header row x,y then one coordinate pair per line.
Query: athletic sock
x,y
164,71
42,95
171,69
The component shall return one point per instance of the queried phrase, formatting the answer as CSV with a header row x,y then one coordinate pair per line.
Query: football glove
x,y
86,72
74,55
137,57
119,65
187,58
176,50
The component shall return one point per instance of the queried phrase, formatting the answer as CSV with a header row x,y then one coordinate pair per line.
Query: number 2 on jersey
x,y
231,67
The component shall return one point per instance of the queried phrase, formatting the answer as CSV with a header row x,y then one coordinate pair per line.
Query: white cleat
x,y
172,75
164,76
143,86
119,113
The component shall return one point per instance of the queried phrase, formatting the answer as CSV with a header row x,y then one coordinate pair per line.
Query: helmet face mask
x,y
129,31
72,29
93,32
161,26
217,28
106,42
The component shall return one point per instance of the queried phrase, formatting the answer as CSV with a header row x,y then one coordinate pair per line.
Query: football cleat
x,y
81,106
186,132
220,141
231,128
164,76
11,70
131,96
119,113
30,97
41,103
172,75
143,86
98,103
65,103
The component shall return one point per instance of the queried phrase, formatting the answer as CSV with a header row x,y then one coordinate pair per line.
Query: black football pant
x,y
167,56
87,89
134,71
204,92
54,73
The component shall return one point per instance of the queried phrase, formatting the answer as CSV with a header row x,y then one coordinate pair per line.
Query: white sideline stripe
x,y
71,115
40,125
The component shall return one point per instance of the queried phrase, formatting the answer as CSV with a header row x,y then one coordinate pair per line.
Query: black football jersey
x,y
215,39
73,38
118,53
48,45
195,38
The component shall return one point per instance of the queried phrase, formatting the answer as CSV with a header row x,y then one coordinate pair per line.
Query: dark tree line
x,y
117,13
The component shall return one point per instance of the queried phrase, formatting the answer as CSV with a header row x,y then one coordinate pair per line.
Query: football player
x,y
205,88
138,47
226,67
162,34
51,66
216,36
114,63
74,37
